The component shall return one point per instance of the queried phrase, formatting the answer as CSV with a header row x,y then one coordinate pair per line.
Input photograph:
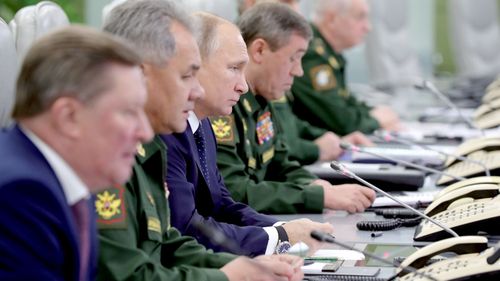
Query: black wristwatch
x,y
283,244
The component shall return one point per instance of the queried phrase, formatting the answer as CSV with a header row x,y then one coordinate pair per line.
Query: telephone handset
x,y
485,144
474,261
468,182
466,216
469,170
459,245
487,116
462,195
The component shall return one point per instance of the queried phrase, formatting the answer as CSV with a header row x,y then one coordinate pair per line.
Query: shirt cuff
x,y
273,239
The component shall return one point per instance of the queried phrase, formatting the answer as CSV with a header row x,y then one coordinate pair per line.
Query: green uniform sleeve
x,y
306,130
333,112
283,195
299,135
131,252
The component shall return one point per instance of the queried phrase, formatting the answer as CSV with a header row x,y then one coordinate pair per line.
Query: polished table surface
x,y
345,228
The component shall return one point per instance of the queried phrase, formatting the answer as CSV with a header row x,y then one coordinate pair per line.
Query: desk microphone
x,y
344,171
353,148
428,85
389,137
325,237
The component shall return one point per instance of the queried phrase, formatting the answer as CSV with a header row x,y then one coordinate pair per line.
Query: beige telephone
x,y
468,182
488,114
474,261
465,210
485,150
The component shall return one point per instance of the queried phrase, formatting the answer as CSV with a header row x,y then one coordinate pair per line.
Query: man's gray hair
x,y
207,37
322,6
147,25
273,22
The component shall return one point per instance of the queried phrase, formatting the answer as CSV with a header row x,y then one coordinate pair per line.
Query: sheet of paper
x,y
339,254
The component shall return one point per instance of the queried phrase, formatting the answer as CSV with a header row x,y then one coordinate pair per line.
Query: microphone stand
x,y
344,171
350,147
386,136
426,84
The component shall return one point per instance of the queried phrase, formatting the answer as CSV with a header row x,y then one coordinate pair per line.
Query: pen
x,y
377,234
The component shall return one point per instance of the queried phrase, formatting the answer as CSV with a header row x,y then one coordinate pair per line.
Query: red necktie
x,y
82,219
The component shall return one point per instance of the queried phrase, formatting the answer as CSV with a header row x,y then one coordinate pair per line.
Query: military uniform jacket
x,y
321,95
253,159
194,199
137,242
299,134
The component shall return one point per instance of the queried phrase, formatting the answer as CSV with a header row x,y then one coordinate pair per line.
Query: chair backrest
x,y
475,37
31,22
8,72
389,52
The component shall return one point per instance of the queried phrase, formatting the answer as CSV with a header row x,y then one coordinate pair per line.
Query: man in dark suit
x,y
197,191
73,137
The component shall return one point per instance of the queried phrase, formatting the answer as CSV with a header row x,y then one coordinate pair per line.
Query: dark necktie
x,y
82,220
199,137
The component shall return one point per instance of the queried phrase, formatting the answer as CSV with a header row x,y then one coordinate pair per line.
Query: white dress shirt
x,y
73,187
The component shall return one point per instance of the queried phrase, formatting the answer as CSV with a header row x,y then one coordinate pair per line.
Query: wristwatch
x,y
283,244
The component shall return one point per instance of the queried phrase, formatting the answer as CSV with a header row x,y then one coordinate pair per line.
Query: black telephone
x,y
466,208
474,261
485,150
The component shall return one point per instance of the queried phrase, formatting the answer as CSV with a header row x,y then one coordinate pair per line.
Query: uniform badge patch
x,y
252,163
264,128
322,78
154,224
268,155
223,129
110,208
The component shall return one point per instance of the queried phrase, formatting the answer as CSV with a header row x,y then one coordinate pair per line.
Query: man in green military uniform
x,y
136,239
307,143
321,95
251,153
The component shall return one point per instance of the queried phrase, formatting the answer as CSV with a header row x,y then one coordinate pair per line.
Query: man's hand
x,y
328,145
264,268
357,138
300,230
348,197
386,117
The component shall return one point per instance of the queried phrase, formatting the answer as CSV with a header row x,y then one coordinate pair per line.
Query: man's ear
x,y
257,50
66,115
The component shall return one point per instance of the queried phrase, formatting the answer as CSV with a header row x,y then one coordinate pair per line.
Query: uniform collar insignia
x,y
140,150
247,105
